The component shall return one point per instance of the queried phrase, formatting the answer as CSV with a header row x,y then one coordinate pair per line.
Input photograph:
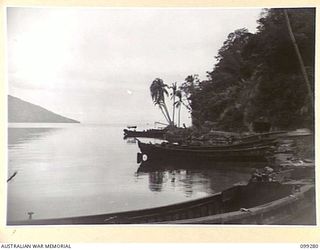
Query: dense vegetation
x,y
259,75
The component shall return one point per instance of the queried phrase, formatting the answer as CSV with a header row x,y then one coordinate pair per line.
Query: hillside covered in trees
x,y
260,75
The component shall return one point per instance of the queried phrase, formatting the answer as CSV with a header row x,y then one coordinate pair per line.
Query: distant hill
x,y
22,111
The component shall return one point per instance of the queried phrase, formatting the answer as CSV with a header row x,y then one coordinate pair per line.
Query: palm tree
x,y
173,94
178,103
158,90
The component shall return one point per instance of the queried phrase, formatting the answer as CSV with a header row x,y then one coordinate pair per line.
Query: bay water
x,y
66,170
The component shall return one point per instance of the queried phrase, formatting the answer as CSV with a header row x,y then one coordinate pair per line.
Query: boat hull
x,y
253,203
157,152
283,211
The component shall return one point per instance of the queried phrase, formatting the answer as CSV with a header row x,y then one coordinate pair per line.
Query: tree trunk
x,y
164,114
179,115
303,70
167,112
173,107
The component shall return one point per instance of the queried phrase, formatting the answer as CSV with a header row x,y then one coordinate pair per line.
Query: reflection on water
x,y
21,135
82,170
156,180
195,177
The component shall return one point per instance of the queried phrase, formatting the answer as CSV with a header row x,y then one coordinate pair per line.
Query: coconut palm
x,y
178,104
158,91
173,95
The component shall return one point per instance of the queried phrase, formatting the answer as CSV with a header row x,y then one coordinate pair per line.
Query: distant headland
x,y
22,111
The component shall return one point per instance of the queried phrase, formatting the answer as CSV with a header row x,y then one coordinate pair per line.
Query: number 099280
x,y
309,246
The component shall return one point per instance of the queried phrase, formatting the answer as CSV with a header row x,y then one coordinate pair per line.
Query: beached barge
x,y
166,151
269,202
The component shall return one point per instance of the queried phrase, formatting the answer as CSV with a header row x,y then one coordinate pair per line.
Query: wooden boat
x,y
235,145
240,152
271,134
131,127
299,133
149,133
268,202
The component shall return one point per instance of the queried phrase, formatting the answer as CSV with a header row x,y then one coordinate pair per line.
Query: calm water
x,y
73,170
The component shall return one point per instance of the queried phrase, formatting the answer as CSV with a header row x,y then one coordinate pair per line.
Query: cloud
x,y
84,52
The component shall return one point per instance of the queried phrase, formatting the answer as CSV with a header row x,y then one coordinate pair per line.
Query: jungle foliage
x,y
259,75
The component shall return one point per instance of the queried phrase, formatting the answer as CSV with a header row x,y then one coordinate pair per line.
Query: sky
x,y
96,65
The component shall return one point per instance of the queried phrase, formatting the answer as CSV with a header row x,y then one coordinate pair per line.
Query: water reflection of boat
x,y
264,202
235,152
151,166
189,178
